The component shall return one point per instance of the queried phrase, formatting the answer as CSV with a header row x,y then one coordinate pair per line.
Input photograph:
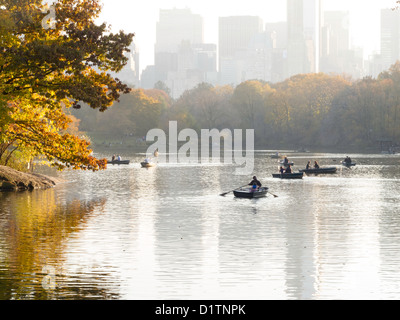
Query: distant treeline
x,y
308,110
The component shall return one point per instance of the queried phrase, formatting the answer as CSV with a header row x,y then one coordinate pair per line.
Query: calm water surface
x,y
165,233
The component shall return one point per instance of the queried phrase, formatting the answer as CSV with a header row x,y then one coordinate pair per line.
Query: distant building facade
x,y
390,43
130,73
245,50
278,34
310,41
304,18
390,37
181,58
336,55
235,34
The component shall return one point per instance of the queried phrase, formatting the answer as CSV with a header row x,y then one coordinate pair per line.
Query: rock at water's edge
x,y
13,180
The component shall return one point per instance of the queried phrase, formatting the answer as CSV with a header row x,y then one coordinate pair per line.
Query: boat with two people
x,y
330,170
317,169
117,160
287,174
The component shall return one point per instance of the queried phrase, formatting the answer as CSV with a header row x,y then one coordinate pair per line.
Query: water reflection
x,y
165,233
34,228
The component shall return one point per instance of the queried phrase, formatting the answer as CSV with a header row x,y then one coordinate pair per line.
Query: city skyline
x,y
122,15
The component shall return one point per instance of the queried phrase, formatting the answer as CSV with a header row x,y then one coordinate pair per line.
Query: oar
x,y
224,194
275,196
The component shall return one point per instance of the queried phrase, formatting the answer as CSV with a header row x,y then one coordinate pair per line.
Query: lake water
x,y
166,233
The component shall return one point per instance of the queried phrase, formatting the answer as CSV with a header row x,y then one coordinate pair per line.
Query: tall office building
x,y
175,26
338,23
235,36
195,64
304,19
278,34
182,59
335,42
130,72
390,37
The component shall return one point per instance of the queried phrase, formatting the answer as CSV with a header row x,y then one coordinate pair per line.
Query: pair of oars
x,y
225,193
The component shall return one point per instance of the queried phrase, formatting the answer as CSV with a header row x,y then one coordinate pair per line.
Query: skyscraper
x,y
390,37
175,26
278,34
304,19
235,36
335,42
182,59
338,23
130,72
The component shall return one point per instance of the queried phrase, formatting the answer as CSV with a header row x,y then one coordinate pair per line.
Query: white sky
x,y
141,17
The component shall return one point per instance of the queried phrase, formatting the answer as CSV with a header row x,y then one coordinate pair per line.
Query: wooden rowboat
x,y
146,164
346,164
118,162
330,170
282,163
249,193
290,176
276,156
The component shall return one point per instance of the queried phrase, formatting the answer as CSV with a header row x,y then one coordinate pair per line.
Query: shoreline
x,y
13,180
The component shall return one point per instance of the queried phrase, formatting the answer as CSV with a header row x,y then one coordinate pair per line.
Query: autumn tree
x,y
204,107
300,105
248,104
46,66
135,114
391,110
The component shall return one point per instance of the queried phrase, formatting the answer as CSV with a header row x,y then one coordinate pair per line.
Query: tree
x,y
136,114
29,131
43,70
160,85
248,102
299,107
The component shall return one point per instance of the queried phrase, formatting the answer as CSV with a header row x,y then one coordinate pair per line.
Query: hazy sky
x,y
141,17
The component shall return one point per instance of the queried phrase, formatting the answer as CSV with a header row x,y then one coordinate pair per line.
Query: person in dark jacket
x,y
286,161
255,183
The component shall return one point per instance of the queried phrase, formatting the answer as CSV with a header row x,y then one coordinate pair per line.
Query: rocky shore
x,y
13,180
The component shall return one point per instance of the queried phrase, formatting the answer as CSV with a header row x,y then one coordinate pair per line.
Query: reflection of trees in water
x,y
34,229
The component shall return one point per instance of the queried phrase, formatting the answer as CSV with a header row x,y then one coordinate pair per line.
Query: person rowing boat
x,y
255,183
347,160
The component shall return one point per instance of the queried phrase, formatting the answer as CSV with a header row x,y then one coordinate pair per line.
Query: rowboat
x,y
249,193
330,170
146,164
276,156
290,176
346,164
118,162
282,162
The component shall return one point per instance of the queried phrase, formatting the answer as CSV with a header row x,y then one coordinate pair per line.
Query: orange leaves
x,y
45,70
42,130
